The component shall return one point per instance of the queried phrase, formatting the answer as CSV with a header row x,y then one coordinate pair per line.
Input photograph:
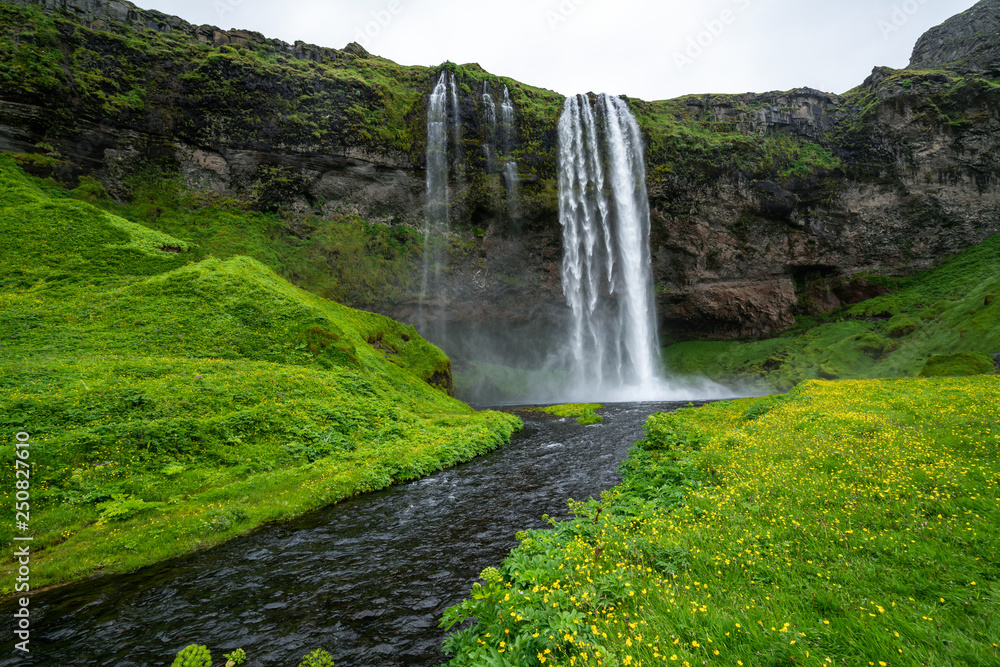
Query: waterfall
x,y
506,119
491,109
510,167
491,166
456,115
490,128
437,154
511,180
607,278
436,215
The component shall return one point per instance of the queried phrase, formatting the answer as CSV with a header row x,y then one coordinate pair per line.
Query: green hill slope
x,y
173,403
940,322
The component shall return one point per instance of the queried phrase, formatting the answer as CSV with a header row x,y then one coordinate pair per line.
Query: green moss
x,y
585,413
958,365
899,327
692,149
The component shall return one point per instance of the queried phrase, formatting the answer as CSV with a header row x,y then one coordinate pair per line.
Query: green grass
x,y
696,149
343,258
585,413
850,522
175,400
957,365
952,309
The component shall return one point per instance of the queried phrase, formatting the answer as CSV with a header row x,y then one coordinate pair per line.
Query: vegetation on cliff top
x,y
247,94
235,93
174,400
851,522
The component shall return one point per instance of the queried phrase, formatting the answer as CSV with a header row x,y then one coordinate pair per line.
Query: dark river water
x,y
366,579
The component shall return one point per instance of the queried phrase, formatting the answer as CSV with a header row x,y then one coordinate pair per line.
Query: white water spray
x,y
490,113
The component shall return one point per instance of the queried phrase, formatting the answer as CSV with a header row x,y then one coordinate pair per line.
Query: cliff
x,y
966,43
765,206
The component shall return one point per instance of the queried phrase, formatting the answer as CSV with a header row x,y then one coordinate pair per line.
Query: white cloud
x,y
618,46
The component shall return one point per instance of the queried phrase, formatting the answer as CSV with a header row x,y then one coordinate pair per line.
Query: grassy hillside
x,y
174,400
927,320
850,522
344,258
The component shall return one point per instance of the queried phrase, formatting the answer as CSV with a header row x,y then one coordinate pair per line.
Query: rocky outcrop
x,y
966,43
804,112
115,14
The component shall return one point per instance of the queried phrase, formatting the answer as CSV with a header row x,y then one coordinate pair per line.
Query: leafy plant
x,y
835,524
237,657
193,656
318,658
124,506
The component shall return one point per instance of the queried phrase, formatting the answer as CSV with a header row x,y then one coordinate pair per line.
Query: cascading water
x,y
491,163
511,179
437,154
491,128
506,119
456,114
607,279
436,215
491,109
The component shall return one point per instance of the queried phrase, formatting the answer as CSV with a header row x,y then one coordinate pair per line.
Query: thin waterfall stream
x,y
366,579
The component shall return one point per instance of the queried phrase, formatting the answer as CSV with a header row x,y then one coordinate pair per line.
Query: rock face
x,y
968,42
913,187
764,206
804,112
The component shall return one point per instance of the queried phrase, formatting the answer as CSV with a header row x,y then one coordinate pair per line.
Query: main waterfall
x,y
432,305
607,279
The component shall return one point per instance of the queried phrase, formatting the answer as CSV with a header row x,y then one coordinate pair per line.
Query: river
x,y
366,579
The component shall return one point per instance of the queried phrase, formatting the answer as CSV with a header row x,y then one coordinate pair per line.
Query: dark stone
x,y
967,42
858,290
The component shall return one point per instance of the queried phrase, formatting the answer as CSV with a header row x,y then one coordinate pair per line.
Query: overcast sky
x,y
642,48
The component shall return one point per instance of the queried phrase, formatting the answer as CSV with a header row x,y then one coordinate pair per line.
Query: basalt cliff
x,y
764,206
